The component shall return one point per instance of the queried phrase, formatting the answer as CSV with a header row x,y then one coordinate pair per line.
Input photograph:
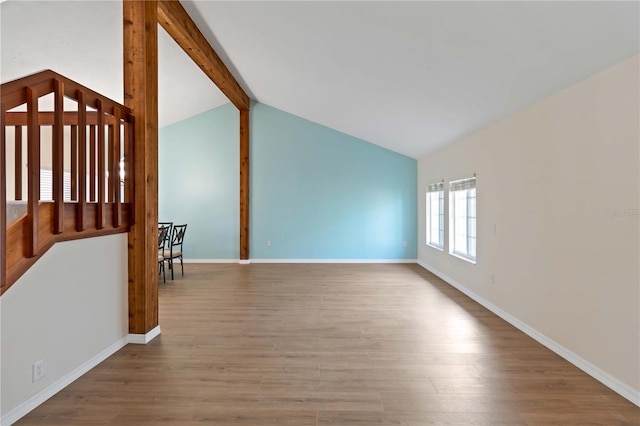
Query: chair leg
x,y
171,267
161,269
182,266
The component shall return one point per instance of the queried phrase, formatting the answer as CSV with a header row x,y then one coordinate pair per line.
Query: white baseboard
x,y
143,339
249,261
594,371
333,260
64,381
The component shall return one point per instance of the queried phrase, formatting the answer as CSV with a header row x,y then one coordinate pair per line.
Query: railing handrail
x,y
39,233
13,92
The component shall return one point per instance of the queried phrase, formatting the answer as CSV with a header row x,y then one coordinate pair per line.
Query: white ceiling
x,y
89,50
408,76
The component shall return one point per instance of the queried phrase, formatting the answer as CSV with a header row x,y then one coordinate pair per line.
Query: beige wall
x,y
66,309
560,180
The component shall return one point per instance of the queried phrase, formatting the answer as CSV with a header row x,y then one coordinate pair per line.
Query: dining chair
x,y
167,225
174,247
163,235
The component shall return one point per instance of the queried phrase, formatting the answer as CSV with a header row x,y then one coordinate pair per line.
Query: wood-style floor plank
x,y
349,345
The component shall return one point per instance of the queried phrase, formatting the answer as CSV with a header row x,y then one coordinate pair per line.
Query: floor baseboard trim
x,y
249,261
333,260
64,381
594,371
143,339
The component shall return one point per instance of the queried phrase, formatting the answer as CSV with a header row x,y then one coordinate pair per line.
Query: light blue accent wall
x,y
317,193
198,182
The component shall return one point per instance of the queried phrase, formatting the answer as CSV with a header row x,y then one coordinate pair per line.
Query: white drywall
x,y
69,307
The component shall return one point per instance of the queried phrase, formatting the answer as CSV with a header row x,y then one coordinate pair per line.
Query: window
x,y
435,215
462,219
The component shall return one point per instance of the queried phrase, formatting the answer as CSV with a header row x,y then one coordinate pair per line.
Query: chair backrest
x,y
177,236
164,231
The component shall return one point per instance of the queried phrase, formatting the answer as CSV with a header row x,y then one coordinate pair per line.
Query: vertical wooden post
x,y
18,163
244,184
141,96
33,183
58,157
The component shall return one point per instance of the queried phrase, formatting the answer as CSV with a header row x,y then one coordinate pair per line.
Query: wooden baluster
x,y
115,171
101,167
129,133
3,201
33,181
58,157
18,162
92,163
74,163
110,160
82,163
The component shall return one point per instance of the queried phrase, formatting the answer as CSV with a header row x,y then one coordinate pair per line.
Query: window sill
x,y
435,247
466,259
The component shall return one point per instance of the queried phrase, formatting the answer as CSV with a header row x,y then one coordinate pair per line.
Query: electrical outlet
x,y
268,243
406,244
39,370
492,279
493,229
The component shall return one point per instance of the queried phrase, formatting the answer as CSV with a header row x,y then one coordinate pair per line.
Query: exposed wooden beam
x,y
177,22
141,95
244,184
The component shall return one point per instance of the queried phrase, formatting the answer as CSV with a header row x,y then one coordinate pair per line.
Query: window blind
x,y
462,184
46,185
435,187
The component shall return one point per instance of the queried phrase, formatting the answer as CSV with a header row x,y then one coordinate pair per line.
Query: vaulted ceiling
x,y
408,76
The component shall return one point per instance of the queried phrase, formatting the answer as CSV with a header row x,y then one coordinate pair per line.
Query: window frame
x,y
432,189
466,212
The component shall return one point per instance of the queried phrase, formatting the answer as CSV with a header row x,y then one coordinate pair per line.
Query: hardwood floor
x,y
330,345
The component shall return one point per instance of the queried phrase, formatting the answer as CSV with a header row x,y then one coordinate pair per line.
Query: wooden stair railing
x,y
91,153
